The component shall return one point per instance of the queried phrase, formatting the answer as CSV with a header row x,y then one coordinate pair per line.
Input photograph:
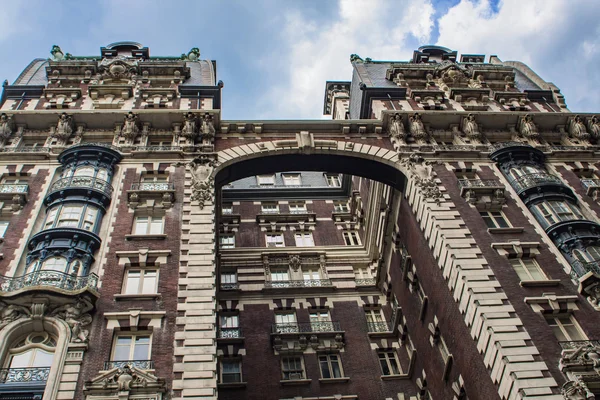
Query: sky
x,y
274,56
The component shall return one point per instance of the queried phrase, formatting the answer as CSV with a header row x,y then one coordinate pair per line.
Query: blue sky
x,y
274,56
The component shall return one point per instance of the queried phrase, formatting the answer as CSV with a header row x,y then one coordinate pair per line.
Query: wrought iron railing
x,y
230,286
107,145
269,211
569,148
590,183
365,281
581,268
456,147
19,375
575,344
502,145
479,183
56,279
298,283
82,181
157,148
153,186
267,186
26,149
307,327
140,364
531,180
298,211
230,333
379,326
14,188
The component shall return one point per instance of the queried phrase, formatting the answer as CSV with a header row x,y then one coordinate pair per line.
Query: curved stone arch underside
x,y
496,330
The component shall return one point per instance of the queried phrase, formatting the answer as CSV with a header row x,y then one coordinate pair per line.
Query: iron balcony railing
x,y
107,145
531,180
14,188
580,268
82,181
298,283
479,183
153,186
157,148
26,149
575,344
569,148
299,211
502,145
20,375
307,327
457,147
230,286
590,183
230,333
379,326
268,186
140,364
365,281
55,279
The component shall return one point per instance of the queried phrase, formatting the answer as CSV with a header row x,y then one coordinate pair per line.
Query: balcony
x,y
592,187
139,364
14,193
310,327
379,327
24,375
365,281
141,192
485,194
574,345
533,186
230,334
155,149
307,283
582,268
230,286
49,280
80,186
268,217
578,361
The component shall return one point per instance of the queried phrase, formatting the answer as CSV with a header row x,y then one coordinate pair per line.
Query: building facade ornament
x,y
130,129
528,129
6,128
192,55
12,312
576,390
417,129
77,317
577,129
471,128
63,130
203,184
118,68
190,127
594,127
207,132
397,131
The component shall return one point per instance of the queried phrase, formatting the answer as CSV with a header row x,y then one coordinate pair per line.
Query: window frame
x,y
351,238
293,177
388,359
490,219
269,242
151,220
134,336
224,244
289,371
260,180
3,228
559,326
304,239
269,207
297,207
333,180
329,363
340,206
232,361
141,280
524,267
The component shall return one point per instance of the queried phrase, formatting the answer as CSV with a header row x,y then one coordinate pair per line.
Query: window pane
x,y
156,226
385,369
499,219
122,348
133,282
141,225
22,360
3,227
42,358
142,347
324,364
335,366
488,220
533,269
149,285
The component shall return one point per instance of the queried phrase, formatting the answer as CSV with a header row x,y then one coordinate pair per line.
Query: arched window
x,y
593,252
29,358
74,215
84,171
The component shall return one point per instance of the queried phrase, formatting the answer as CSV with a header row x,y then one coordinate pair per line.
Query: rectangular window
x,y
292,368
351,238
441,345
311,274
3,228
131,347
389,363
231,371
565,328
333,180
285,318
557,210
527,269
278,275
228,277
265,180
269,208
341,207
148,226
69,216
494,219
275,240
292,179
298,207
50,217
227,209
362,273
227,241
304,239
141,281
375,320
230,321
331,366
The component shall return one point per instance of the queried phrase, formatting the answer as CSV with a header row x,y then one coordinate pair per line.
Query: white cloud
x,y
315,54
546,34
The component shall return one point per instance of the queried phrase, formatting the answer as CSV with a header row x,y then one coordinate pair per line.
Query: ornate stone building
x,y
439,238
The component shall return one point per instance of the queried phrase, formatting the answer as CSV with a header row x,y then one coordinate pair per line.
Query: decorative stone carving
x,y
190,127
471,128
77,317
11,312
397,132
57,54
355,58
594,127
118,68
577,128
6,127
295,262
130,128
203,185
528,129
192,55
450,75
477,83
62,131
417,129
421,171
576,390
124,382
207,132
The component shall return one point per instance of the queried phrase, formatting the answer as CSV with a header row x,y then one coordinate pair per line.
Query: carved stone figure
x,y
64,129
417,129
202,180
6,124
118,68
421,171
477,83
192,55
397,132
576,390
295,262
450,74
57,54
190,127
130,128
528,129
124,378
355,57
470,128
208,129
76,316
577,129
11,312
594,127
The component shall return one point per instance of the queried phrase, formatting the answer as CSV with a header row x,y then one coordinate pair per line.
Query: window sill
x,y
231,385
335,380
544,283
394,377
158,236
506,230
149,296
295,381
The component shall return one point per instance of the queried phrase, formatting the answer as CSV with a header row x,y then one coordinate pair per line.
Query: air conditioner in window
x,y
295,376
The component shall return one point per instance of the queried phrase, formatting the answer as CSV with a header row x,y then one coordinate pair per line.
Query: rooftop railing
x,y
157,148
82,181
590,183
55,279
307,327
